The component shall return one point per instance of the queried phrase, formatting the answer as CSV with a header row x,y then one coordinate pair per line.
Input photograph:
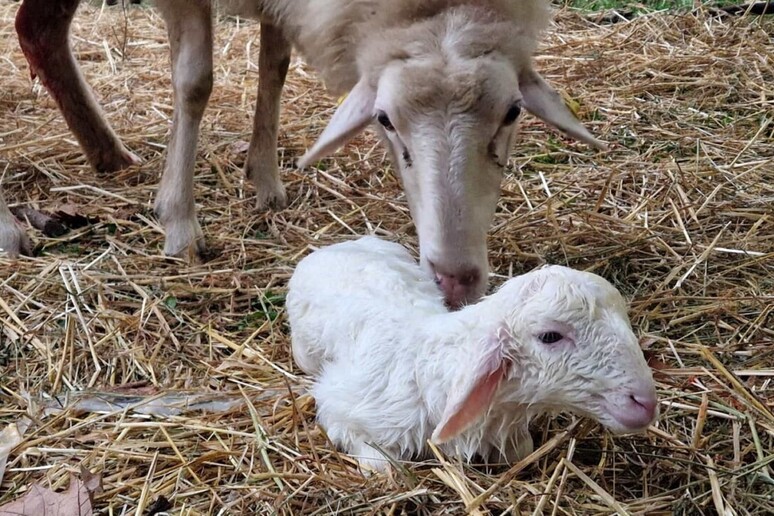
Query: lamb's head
x,y
573,334
446,93
562,343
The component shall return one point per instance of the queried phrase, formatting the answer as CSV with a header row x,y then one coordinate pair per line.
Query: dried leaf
x,y
9,438
76,501
92,481
646,342
70,216
141,388
69,208
572,104
148,400
654,361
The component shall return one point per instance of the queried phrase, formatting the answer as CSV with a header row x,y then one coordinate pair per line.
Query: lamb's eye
x,y
550,337
383,119
513,113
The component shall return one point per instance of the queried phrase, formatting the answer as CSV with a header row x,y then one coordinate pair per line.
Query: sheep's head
x,y
446,93
564,343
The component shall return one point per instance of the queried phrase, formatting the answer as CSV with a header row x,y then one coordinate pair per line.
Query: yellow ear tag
x,y
341,99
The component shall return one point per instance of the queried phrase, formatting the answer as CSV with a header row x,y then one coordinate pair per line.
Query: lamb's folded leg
x,y
518,444
337,393
370,459
261,164
189,25
13,241
43,27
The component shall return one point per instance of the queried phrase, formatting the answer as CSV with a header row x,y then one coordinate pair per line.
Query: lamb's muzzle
x,y
635,409
395,368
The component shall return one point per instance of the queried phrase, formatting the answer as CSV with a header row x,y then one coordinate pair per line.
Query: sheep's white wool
x,y
394,368
329,32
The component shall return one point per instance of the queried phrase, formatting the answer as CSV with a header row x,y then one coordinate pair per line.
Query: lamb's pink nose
x,y
640,410
459,287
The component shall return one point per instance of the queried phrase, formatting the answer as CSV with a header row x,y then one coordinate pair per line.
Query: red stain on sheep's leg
x,y
43,27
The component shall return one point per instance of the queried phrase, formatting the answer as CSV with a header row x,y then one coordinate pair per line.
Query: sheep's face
x,y
449,126
573,349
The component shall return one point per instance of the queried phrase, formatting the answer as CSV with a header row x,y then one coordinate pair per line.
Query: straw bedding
x,y
678,215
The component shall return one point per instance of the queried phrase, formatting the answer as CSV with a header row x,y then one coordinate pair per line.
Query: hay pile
x,y
678,216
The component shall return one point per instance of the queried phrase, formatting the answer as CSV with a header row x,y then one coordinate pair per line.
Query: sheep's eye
x,y
550,337
513,113
383,119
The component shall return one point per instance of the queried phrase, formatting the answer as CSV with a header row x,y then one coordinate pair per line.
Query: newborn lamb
x,y
394,368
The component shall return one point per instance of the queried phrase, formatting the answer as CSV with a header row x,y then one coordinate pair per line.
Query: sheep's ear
x,y
353,115
541,100
470,405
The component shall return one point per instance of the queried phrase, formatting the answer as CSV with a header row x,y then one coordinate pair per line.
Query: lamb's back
x,y
338,291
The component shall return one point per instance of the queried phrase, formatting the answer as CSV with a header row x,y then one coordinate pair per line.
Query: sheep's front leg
x,y
261,165
189,25
13,241
43,27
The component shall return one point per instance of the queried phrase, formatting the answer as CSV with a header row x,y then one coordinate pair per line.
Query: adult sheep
x,y
445,80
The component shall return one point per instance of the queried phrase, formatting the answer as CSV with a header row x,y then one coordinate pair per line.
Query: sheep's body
x,y
330,34
445,80
418,61
393,367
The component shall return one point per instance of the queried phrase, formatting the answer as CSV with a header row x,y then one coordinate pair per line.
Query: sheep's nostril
x,y
447,283
453,291
634,409
458,284
648,402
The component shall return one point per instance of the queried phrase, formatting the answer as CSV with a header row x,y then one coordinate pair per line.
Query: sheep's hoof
x,y
270,192
113,160
185,240
272,198
194,252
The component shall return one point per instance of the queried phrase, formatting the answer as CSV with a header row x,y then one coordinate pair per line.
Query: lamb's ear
x,y
352,116
541,100
465,408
